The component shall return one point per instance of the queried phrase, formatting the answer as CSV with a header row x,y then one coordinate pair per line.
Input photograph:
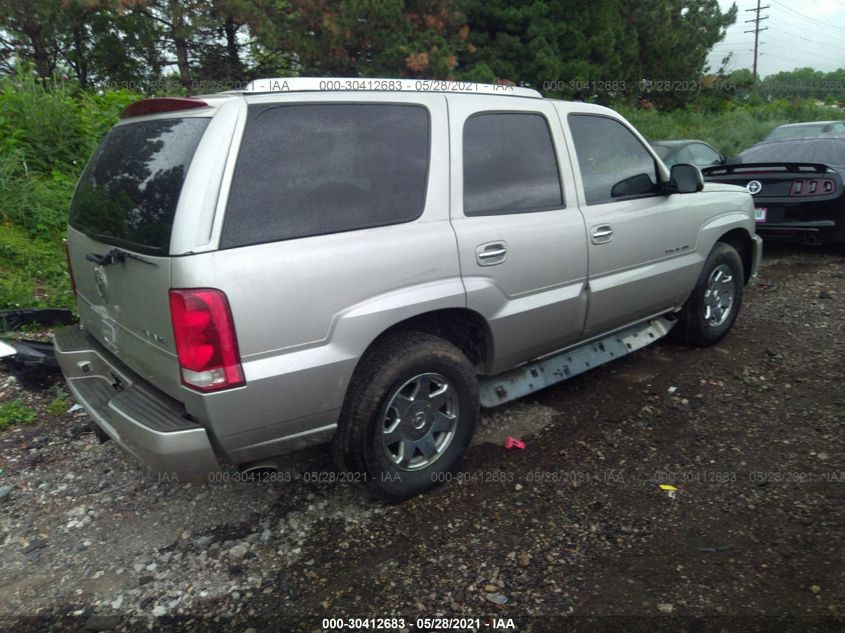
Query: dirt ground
x,y
572,533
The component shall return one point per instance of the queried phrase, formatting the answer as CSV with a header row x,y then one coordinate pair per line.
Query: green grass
x,y
16,412
59,404
46,137
33,271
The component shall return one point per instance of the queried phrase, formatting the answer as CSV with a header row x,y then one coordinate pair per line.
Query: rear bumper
x,y
825,229
818,225
143,421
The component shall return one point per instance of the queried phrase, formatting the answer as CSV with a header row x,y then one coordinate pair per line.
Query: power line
x,y
839,52
724,52
807,17
804,36
788,59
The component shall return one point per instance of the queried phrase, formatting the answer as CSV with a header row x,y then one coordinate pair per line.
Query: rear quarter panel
x,y
306,309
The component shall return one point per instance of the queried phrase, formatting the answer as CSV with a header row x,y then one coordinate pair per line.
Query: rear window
x,y
830,151
313,169
129,190
798,131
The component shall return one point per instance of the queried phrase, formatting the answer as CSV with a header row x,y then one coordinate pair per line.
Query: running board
x,y
540,374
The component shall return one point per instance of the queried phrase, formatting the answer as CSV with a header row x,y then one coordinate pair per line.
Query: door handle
x,y
601,234
491,253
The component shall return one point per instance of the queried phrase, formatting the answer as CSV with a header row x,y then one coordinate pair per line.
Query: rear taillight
x,y
70,269
812,187
206,343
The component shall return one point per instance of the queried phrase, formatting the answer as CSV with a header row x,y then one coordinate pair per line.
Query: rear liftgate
x,y
540,374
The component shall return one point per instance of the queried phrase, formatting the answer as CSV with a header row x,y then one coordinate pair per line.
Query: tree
x,y
675,37
30,31
94,40
804,83
567,48
366,38
108,41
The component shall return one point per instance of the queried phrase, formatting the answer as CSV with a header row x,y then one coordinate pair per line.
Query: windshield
x,y
129,190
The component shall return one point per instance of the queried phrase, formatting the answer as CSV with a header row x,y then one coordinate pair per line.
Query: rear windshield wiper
x,y
116,256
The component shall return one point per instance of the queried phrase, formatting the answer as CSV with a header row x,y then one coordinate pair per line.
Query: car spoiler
x,y
740,168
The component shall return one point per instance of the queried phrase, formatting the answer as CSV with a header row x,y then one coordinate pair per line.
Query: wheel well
x,y
465,329
741,241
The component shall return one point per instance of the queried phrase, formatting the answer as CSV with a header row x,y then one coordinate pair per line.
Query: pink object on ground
x,y
512,442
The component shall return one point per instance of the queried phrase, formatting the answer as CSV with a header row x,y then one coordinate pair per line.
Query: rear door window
x,y
314,169
128,193
509,164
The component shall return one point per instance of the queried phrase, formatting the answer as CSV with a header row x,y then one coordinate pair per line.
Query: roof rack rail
x,y
342,84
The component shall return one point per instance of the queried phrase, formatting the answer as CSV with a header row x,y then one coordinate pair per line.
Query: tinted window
x,y
614,164
130,188
316,169
704,156
509,165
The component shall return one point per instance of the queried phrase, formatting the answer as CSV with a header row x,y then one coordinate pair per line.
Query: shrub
x,y
46,137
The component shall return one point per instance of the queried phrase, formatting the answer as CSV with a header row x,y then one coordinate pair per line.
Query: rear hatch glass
x,y
127,199
828,151
128,193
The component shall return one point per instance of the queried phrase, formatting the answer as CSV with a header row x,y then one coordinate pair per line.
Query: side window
x,y
703,155
324,168
839,127
614,164
509,165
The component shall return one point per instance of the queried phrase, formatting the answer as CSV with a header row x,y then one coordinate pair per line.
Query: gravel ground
x,y
572,533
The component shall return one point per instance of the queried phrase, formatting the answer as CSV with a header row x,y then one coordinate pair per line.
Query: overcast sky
x,y
800,33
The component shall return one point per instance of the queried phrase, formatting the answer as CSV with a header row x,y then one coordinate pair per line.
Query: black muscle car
x,y
798,187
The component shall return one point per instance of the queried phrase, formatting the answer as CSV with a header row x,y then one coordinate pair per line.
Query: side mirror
x,y
637,185
684,179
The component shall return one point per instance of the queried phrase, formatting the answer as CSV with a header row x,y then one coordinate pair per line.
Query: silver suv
x,y
365,262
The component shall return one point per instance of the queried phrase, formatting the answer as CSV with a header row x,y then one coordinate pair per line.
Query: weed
x,y
59,405
16,412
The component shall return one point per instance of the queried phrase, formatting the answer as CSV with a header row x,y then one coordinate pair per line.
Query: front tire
x,y
715,301
409,415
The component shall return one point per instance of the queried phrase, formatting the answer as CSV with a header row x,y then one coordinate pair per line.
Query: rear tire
x,y
712,308
409,415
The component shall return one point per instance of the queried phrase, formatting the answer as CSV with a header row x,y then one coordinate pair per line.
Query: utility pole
x,y
757,19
